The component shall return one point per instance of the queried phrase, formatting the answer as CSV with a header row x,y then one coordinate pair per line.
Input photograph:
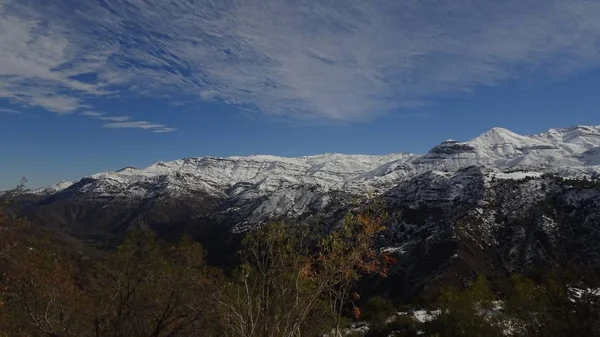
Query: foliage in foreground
x,y
289,283
145,288
536,308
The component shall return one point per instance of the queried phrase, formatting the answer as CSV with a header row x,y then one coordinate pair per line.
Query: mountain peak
x,y
499,132
501,137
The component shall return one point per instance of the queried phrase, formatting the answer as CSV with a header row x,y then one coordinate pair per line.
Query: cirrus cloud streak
x,y
335,60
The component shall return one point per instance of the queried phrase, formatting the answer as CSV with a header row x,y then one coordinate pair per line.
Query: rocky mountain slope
x,y
494,204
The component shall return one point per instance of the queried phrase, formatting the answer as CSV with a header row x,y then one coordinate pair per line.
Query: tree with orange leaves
x,y
288,281
348,253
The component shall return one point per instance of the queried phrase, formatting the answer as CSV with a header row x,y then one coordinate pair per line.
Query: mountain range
x,y
496,204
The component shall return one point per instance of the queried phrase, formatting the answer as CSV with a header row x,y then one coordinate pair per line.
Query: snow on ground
x,y
422,316
578,293
399,250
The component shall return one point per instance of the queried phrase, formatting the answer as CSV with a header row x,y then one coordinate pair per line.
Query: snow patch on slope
x,y
54,188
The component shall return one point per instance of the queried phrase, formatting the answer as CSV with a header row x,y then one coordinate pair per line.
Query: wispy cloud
x,y
115,119
163,130
158,128
9,111
91,114
209,95
33,59
125,122
343,60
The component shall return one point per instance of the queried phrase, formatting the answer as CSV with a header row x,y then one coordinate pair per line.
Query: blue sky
x,y
88,86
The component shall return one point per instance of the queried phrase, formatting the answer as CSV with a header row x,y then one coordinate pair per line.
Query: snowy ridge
x,y
571,151
54,188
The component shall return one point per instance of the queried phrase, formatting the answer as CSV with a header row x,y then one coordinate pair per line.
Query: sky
x,y
95,85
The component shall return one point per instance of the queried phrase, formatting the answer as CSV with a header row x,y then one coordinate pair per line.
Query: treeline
x,y
289,282
583,182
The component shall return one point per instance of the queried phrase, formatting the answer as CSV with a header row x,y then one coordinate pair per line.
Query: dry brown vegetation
x,y
288,283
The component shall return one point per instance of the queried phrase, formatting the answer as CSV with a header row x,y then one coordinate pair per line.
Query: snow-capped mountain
x,y
572,152
494,204
278,186
557,150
